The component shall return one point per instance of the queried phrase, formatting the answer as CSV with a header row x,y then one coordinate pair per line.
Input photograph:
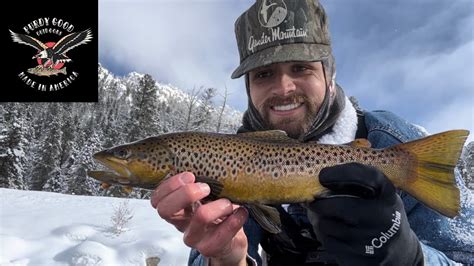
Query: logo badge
x,y
379,242
272,13
52,52
51,56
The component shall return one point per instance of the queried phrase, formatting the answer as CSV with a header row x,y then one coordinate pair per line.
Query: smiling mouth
x,y
286,107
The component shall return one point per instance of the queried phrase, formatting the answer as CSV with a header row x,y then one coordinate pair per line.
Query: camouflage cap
x,y
276,31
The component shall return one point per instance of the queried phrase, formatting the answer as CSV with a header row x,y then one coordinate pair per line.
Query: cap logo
x,y
272,13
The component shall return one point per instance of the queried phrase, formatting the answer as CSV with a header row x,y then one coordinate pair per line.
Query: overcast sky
x,y
414,58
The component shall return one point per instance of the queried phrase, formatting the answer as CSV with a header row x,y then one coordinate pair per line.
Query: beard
x,y
295,128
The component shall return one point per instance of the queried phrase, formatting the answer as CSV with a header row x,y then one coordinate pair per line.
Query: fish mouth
x,y
115,165
114,170
110,177
111,170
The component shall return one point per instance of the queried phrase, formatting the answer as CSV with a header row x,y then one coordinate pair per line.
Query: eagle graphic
x,y
50,56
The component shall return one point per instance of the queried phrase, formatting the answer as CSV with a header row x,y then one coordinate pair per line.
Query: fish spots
x,y
248,170
275,175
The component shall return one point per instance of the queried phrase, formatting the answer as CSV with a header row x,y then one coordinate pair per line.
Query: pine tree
x,y
87,143
143,114
204,112
48,155
12,146
114,114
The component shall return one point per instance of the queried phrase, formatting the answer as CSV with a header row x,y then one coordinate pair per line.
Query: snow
x,y
43,228
457,227
18,153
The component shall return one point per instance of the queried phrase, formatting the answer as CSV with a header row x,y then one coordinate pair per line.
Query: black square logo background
x,y
82,15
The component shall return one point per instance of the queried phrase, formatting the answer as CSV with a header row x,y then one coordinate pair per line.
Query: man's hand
x,y
214,228
363,222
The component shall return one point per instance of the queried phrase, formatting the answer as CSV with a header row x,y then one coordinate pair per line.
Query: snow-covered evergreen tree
x,y
87,143
13,144
46,169
205,111
143,120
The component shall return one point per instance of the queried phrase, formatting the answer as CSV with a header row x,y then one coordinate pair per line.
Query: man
x,y
290,74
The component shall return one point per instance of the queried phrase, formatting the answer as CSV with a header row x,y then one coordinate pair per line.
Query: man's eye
x,y
299,68
263,74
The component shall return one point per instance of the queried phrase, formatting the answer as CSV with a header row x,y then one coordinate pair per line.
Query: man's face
x,y
288,95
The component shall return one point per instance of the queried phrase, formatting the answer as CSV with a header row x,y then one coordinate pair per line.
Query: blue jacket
x,y
444,241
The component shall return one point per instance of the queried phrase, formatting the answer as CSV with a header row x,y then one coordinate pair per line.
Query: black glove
x,y
363,222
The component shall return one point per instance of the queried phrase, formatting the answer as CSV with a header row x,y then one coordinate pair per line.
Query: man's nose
x,y
284,85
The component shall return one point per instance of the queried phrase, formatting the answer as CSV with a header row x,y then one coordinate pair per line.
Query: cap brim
x,y
306,52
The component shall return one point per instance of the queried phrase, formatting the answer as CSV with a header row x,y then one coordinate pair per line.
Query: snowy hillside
x,y
43,228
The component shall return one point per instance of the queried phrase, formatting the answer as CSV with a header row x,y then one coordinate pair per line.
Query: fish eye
x,y
122,153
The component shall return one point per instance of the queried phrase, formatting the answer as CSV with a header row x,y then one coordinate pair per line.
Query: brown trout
x,y
267,167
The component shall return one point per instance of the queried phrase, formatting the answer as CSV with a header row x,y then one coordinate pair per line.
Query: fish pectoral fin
x,y
215,185
362,143
266,216
268,135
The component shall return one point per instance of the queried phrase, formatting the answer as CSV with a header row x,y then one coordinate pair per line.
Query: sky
x,y
414,58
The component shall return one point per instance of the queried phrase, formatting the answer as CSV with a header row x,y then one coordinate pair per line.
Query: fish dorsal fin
x,y
268,135
361,143
266,216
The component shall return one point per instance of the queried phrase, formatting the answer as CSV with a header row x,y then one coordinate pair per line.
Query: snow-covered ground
x,y
41,228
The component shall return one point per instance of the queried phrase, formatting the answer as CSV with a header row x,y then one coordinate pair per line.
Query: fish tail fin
x,y
432,179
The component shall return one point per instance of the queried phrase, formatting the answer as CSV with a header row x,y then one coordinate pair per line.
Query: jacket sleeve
x,y
434,257
196,259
